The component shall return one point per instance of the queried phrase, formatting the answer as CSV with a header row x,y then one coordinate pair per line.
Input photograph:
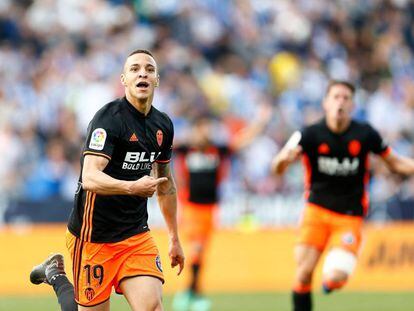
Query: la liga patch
x,y
98,138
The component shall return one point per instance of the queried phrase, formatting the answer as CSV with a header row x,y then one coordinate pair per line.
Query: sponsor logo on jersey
x,y
336,167
98,138
133,137
160,137
198,161
354,148
158,262
89,293
139,160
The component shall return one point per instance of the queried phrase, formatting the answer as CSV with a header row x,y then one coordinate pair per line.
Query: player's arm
x,y
246,135
95,180
167,200
399,164
287,155
396,163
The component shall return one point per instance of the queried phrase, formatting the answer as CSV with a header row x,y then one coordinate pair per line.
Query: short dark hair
x,y
139,51
347,84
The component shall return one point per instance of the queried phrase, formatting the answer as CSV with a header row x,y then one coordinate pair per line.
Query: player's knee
x,y
339,265
158,306
153,304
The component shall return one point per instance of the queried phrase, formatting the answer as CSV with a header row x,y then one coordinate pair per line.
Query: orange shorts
x,y
198,221
321,226
97,267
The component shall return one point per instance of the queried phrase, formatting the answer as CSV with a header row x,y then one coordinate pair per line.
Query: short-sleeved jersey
x,y
337,165
131,142
202,171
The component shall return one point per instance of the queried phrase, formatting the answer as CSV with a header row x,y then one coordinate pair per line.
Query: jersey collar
x,y
135,111
325,124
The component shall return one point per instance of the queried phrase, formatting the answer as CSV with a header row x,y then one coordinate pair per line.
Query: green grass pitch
x,y
345,301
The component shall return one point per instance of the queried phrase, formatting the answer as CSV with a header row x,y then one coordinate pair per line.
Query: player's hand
x,y
176,255
146,186
291,154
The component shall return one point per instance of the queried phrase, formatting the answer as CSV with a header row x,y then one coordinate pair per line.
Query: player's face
x,y
140,76
202,132
338,103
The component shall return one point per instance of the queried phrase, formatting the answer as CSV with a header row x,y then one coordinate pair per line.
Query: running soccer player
x,y
201,165
108,235
335,156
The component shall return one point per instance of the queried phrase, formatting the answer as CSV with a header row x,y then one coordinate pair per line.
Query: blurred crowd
x,y
60,61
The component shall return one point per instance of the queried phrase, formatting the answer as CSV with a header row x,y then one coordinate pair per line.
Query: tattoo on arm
x,y
168,187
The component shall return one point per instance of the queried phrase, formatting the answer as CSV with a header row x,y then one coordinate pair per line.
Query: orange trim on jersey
x,y
163,161
85,215
90,222
308,174
74,265
386,152
97,154
365,193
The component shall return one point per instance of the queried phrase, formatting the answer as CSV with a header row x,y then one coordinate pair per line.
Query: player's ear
x,y
123,80
157,82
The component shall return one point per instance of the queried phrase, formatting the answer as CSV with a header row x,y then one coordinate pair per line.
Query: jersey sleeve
x,y
376,143
304,141
167,146
102,134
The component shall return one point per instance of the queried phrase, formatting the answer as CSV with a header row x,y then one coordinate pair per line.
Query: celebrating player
x,y
335,154
108,235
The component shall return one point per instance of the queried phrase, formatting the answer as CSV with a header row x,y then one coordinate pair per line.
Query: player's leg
x,y
342,255
197,258
202,221
313,237
52,271
104,306
93,273
338,266
139,277
143,293
306,258
197,224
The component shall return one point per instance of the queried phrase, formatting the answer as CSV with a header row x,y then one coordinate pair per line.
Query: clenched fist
x,y
146,186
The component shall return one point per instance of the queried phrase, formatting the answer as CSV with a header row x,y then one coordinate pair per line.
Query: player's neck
x,y
143,105
338,127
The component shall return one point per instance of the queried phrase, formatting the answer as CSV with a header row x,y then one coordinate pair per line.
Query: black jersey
x,y
202,171
131,142
337,165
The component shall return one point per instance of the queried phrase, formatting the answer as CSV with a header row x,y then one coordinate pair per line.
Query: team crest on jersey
x,y
98,138
348,238
354,147
89,293
323,148
158,262
160,137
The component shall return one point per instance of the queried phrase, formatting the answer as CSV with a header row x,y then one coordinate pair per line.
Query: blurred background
x,y
60,61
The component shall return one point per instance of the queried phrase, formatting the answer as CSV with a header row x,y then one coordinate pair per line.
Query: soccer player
x,y
335,154
108,235
201,165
